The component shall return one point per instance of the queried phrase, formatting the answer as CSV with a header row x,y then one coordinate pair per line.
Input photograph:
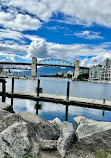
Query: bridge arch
x,y
55,62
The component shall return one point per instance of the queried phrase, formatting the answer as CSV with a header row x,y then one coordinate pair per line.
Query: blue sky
x,y
64,29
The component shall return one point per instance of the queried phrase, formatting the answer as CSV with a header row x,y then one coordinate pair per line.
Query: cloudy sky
x,y
65,29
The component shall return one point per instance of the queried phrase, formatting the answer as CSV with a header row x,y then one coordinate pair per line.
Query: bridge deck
x,y
76,101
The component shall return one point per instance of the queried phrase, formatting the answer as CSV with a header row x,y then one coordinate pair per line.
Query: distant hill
x,y
46,71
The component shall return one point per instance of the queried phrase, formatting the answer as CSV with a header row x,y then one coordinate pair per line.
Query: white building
x,y
60,73
97,72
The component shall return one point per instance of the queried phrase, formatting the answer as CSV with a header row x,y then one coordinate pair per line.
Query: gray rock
x,y
18,140
66,138
48,144
92,134
56,121
43,128
5,106
4,114
7,119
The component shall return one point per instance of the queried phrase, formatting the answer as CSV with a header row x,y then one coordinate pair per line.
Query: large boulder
x,y
44,129
4,114
5,106
56,121
91,134
7,119
18,141
66,138
48,144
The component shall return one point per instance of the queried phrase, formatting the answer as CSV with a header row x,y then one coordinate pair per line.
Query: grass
x,y
32,157
103,153
29,156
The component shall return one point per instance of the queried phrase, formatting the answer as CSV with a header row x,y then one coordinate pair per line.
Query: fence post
x,y
66,114
68,86
38,87
103,101
12,91
3,91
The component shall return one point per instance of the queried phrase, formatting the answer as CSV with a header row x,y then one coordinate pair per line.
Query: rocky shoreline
x,y
26,134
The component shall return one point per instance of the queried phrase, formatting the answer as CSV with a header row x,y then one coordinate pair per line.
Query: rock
x,y
93,135
5,106
7,119
43,128
4,114
18,140
81,119
48,144
56,121
66,139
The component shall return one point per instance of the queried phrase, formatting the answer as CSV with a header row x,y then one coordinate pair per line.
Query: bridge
x,y
47,63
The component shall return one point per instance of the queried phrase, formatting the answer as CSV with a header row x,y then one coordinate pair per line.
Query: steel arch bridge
x,y
55,63
45,62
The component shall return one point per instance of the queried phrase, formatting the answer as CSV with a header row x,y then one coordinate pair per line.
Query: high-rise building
x,y
97,72
107,63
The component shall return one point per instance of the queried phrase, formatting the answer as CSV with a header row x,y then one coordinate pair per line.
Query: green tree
x,y
82,77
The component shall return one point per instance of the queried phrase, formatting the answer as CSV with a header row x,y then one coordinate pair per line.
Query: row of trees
x,y
81,77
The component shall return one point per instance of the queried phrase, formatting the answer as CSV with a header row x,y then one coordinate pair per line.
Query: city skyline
x,y
55,29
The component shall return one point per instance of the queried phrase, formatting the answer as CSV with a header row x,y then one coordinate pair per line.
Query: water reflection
x,y
50,111
66,113
38,107
103,112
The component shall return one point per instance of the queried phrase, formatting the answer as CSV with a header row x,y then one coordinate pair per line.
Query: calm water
x,y
50,86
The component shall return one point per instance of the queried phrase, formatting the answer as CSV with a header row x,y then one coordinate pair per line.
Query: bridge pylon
x,y
34,67
76,70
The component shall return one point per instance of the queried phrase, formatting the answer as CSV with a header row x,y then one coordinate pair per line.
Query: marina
x,y
53,102
75,101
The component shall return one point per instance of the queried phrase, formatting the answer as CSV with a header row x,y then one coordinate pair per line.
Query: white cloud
x,y
99,59
19,22
17,49
72,21
42,49
38,49
93,11
18,15
10,51
9,56
9,34
88,35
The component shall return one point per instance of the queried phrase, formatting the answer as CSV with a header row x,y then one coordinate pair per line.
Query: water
x,y
50,111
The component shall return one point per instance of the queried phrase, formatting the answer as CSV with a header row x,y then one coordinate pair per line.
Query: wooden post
x,y
12,91
36,107
38,87
66,116
103,101
3,91
68,86
12,85
103,112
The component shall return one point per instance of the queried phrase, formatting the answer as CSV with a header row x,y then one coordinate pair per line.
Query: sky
x,y
56,29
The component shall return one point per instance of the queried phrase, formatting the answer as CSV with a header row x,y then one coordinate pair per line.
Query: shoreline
x,y
100,81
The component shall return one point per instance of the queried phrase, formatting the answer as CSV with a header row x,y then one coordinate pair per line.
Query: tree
x,y
82,77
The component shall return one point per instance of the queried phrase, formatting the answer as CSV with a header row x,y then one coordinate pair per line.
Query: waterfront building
x,y
60,73
107,63
97,72
1,70
94,72
69,73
